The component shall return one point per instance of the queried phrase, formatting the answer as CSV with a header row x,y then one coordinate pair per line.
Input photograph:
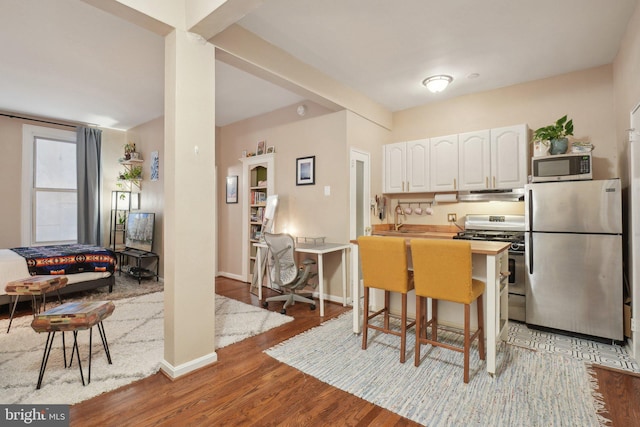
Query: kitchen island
x,y
490,264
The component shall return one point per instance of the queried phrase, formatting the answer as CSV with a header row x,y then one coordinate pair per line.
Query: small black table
x,y
138,271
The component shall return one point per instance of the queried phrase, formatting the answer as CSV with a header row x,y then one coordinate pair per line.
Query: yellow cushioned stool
x,y
442,271
385,266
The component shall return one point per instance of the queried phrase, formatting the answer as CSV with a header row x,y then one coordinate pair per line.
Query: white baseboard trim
x,y
231,275
174,372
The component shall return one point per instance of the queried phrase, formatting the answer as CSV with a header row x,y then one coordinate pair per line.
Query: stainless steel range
x,y
503,228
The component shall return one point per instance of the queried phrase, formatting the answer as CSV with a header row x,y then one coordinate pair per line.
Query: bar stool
x,y
384,266
442,271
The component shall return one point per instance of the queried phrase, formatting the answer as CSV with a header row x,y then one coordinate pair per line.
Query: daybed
x,y
86,267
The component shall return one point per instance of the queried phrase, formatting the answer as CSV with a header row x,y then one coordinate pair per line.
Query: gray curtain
x,y
89,141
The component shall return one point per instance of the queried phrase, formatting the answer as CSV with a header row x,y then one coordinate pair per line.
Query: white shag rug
x,y
135,336
529,389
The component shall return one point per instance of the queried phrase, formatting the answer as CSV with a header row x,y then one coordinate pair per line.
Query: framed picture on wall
x,y
232,189
260,148
306,170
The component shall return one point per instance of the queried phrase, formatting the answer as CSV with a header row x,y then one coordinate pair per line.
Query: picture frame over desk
x,y
306,170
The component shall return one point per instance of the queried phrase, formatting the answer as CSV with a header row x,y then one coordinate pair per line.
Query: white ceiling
x,y
66,60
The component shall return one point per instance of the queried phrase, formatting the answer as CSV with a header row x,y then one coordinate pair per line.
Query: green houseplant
x,y
555,135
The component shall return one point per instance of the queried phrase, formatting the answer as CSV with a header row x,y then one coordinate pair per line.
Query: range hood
x,y
512,195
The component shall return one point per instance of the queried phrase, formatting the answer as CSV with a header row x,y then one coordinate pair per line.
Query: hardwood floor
x,y
247,387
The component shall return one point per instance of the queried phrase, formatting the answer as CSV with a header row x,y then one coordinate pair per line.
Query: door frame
x,y
634,224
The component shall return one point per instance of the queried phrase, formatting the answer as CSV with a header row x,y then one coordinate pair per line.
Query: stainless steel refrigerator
x,y
573,253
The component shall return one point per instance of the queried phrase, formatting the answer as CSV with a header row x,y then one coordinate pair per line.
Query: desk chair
x,y
442,271
385,266
284,272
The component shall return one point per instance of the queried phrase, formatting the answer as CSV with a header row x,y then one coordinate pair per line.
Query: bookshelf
x,y
258,181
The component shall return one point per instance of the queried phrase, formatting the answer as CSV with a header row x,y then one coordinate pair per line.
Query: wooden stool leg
x,y
434,319
467,326
387,303
481,349
365,323
420,318
403,328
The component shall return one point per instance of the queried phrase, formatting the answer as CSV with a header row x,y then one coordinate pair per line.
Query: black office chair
x,y
284,272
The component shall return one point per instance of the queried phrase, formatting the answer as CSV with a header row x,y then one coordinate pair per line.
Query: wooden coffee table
x,y
73,317
34,286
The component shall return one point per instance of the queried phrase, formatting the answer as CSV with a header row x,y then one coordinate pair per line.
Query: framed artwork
x,y
155,166
260,148
271,149
306,170
232,189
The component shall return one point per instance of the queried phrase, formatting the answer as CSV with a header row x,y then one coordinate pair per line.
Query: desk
x,y
497,263
320,250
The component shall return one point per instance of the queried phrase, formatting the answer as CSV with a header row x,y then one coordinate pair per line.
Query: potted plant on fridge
x,y
555,135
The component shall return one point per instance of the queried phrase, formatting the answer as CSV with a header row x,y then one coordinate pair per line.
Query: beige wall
x,y
10,176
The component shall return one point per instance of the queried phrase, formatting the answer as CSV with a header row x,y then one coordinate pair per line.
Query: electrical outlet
x,y
452,217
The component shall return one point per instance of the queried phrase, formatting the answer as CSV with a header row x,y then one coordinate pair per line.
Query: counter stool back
x,y
385,266
442,271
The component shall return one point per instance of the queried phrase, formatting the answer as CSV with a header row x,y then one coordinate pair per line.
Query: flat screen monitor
x,y
139,233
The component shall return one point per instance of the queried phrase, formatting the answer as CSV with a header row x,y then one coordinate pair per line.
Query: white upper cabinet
x,y
509,156
406,167
444,163
418,166
475,160
394,167
494,159
490,159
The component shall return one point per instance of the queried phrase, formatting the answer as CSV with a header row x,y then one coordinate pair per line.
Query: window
x,y
49,186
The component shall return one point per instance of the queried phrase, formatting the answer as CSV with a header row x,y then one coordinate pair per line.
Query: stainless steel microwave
x,y
562,167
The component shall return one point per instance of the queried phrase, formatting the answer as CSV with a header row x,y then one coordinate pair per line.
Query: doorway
x,y
634,221
359,218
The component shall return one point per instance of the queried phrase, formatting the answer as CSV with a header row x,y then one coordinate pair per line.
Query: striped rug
x,y
529,389
136,343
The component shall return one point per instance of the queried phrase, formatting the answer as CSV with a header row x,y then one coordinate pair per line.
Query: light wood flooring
x,y
247,387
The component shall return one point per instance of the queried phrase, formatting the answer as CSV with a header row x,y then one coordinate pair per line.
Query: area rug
x,y
135,335
529,389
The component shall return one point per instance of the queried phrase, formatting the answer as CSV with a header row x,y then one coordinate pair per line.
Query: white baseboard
x,y
174,372
231,275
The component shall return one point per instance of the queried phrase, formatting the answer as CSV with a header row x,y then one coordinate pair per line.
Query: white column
x,y
189,215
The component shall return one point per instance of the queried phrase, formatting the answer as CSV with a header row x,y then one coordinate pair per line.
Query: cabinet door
x,y
443,163
417,175
394,167
509,156
474,160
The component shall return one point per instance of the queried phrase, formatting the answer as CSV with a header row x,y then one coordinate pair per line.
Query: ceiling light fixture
x,y
437,83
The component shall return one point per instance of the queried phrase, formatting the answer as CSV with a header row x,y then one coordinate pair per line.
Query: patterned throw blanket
x,y
67,259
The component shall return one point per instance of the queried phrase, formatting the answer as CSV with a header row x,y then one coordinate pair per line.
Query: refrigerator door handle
x,y
530,210
530,253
